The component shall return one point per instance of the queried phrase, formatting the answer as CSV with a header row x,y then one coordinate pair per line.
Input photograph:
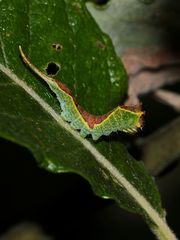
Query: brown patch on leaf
x,y
91,119
64,88
100,45
134,108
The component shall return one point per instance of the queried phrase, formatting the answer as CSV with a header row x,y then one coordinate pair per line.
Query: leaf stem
x,y
157,151
163,235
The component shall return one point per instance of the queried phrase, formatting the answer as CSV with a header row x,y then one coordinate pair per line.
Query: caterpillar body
x,y
122,118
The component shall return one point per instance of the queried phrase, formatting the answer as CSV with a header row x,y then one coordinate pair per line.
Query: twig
x,y
169,98
161,148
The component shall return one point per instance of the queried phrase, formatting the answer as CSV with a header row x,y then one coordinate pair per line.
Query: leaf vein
x,y
3,52
24,118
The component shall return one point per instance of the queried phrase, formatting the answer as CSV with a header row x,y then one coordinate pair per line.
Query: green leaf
x,y
30,113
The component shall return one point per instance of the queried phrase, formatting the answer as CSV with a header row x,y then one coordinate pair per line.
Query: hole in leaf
x,y
57,46
52,68
101,2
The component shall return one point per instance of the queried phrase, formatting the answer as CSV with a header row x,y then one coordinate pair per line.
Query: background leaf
x,y
139,24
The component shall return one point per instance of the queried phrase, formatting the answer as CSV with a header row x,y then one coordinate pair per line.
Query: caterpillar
x,y
121,118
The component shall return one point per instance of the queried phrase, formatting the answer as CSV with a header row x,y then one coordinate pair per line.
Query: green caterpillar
x,y
121,118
